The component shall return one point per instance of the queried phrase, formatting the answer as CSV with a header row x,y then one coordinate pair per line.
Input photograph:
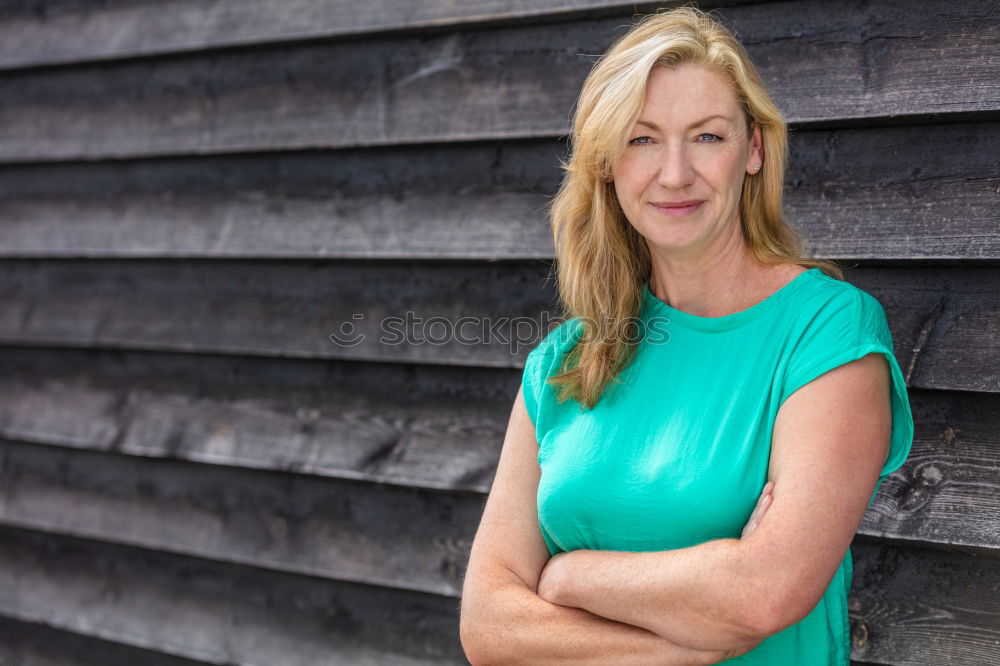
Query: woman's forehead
x,y
686,96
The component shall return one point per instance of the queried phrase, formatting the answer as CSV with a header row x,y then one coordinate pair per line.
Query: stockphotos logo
x,y
515,332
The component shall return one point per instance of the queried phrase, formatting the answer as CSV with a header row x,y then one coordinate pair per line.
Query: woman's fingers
x,y
763,502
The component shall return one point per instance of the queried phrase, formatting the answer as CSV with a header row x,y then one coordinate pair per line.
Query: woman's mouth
x,y
678,211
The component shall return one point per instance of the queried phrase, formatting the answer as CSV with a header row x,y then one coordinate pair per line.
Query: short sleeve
x,y
851,328
542,362
532,380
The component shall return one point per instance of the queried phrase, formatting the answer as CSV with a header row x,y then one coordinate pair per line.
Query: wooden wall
x,y
194,196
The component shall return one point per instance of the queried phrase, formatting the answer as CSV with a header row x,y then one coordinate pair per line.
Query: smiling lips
x,y
677,208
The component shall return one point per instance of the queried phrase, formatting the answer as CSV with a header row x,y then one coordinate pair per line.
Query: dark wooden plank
x,y
915,606
464,201
71,31
312,526
908,606
853,194
441,429
830,64
918,192
339,530
945,321
443,432
286,309
219,614
28,644
945,494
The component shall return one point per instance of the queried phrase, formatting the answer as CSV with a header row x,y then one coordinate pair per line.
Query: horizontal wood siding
x,y
71,31
33,644
219,613
941,318
194,197
915,192
824,64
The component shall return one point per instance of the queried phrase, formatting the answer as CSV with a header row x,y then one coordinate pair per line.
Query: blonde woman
x,y
693,448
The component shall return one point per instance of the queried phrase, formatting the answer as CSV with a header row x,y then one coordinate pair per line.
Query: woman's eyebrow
x,y
653,125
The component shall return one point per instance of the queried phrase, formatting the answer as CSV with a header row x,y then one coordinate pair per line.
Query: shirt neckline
x,y
655,306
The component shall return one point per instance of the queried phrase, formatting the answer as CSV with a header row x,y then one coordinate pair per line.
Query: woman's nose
x,y
674,168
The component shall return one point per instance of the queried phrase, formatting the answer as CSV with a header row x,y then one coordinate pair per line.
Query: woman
x,y
694,447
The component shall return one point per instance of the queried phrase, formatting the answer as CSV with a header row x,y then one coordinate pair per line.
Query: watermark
x,y
514,332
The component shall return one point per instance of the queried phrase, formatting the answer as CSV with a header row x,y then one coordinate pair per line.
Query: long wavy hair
x,y
602,262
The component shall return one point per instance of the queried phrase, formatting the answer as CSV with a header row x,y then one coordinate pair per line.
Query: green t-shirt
x,y
677,454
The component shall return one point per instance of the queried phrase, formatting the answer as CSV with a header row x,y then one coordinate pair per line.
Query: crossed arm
x,y
588,607
829,444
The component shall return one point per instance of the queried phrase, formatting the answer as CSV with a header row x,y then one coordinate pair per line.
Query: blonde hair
x,y
601,260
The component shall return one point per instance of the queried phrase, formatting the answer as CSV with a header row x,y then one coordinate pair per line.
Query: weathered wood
x,y
77,32
854,194
219,614
377,534
464,201
914,192
284,309
441,427
443,432
914,606
334,520
831,64
945,494
907,606
945,321
28,644
362,533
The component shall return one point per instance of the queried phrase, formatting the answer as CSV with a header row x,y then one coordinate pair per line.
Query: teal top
x,y
677,454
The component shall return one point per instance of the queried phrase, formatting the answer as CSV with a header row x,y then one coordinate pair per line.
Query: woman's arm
x,y
830,442
599,575
518,627
701,597
503,620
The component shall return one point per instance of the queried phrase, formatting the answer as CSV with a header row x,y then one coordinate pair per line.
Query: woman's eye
x,y
645,140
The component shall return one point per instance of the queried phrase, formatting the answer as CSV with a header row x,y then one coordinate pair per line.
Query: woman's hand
x,y
763,502
549,582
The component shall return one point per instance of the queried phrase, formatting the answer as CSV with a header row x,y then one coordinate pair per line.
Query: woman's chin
x,y
667,240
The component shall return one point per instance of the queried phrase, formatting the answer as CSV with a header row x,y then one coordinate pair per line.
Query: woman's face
x,y
689,144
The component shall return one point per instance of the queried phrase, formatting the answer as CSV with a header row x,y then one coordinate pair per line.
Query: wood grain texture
x,y
193,472
946,494
466,314
409,538
916,606
363,533
890,193
70,31
219,613
907,606
422,426
942,331
30,644
945,322
830,64
441,430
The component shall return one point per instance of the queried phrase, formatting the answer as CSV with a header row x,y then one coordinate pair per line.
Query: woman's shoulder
x,y
828,306
827,291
